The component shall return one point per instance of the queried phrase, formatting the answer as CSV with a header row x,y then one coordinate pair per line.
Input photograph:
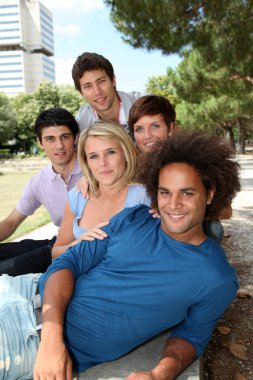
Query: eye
x,y
110,152
93,157
187,194
66,137
86,87
49,139
138,130
164,193
155,126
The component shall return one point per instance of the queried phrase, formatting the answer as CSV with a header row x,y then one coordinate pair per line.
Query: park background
x,y
197,54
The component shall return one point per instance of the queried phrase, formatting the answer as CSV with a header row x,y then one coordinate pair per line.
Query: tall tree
x,y
7,120
221,30
211,100
161,85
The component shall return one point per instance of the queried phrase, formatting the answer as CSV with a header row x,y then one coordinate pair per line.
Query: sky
x,y
84,25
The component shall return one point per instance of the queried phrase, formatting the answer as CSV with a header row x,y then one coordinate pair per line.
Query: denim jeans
x,y
19,339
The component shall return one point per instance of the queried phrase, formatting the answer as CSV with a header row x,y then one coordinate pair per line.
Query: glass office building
x,y
26,46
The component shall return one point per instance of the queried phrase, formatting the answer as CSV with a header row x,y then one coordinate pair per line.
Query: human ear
x,y
210,197
39,143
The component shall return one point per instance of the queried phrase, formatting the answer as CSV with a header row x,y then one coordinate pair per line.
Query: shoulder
x,y
84,116
219,269
76,200
130,96
42,177
137,195
131,215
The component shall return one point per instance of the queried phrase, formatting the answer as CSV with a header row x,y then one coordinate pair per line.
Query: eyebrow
x,y
183,189
104,150
103,77
63,134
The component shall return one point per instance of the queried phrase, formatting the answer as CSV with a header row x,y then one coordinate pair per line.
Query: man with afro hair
x,y
103,298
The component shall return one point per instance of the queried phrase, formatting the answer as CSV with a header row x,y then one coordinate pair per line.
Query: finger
x,y
98,231
102,224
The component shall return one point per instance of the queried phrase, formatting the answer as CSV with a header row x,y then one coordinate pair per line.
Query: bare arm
x,y
53,360
9,225
177,355
65,236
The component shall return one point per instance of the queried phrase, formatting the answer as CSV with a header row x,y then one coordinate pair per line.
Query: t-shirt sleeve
x,y
202,317
29,202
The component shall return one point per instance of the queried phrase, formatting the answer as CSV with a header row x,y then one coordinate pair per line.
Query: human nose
x,y
103,161
147,133
174,201
59,144
96,88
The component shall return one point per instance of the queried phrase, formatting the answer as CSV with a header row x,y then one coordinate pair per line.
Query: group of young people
x,y
118,275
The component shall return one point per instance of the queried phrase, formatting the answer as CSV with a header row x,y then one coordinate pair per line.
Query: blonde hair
x,y
111,131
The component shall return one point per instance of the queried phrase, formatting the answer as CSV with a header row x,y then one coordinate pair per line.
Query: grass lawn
x,y
11,188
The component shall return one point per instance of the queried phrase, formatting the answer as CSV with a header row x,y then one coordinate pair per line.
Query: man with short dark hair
x,y
94,78
56,130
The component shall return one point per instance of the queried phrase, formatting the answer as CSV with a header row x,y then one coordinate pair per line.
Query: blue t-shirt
x,y
137,283
136,195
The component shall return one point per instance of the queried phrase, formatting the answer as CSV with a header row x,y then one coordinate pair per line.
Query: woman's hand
x,y
154,213
95,233
83,187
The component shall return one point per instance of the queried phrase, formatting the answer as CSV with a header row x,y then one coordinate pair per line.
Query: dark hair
x,y
88,62
151,105
209,155
53,117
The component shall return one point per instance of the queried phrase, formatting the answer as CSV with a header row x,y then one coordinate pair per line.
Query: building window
x,y
10,56
46,15
45,22
10,38
9,14
9,22
11,85
8,6
10,30
47,44
50,32
10,71
52,77
18,78
10,63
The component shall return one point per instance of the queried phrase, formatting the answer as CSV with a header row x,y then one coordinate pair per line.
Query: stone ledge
x,y
142,358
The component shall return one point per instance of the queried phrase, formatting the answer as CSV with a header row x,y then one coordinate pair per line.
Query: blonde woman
x,y
107,157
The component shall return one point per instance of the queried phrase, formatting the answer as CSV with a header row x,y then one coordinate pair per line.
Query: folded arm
x,y
177,355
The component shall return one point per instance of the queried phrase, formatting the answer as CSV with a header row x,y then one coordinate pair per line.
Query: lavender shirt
x,y
48,189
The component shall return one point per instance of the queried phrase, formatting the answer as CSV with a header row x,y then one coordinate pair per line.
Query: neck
x,y
111,114
65,170
194,236
111,192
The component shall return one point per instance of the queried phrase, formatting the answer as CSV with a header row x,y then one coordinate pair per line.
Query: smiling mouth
x,y
100,100
175,216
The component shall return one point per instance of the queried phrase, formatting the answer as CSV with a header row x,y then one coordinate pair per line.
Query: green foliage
x,y
69,98
7,120
221,30
26,108
161,85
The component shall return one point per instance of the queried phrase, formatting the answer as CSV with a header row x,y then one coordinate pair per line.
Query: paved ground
x,y
239,230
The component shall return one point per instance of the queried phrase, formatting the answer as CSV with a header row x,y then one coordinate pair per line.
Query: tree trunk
x,y
231,137
242,136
